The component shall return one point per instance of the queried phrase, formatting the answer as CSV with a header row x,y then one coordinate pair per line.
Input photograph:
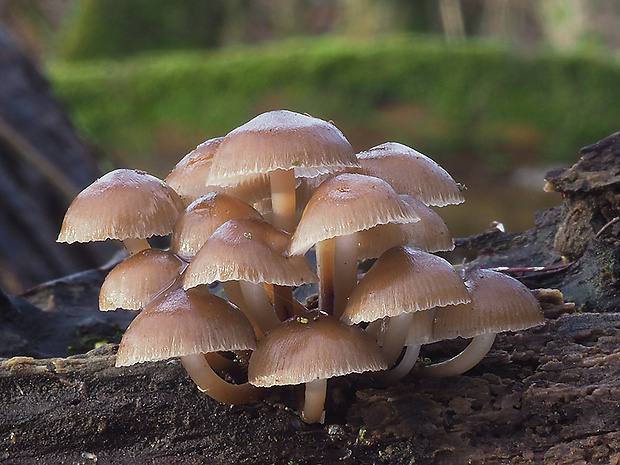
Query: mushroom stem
x,y
460,363
235,295
325,271
393,336
345,270
284,207
135,245
259,306
409,359
211,384
314,402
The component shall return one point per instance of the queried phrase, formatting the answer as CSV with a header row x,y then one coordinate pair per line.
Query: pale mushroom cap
x,y
498,303
202,217
281,140
404,280
312,346
137,280
248,249
429,234
122,204
345,204
182,323
411,173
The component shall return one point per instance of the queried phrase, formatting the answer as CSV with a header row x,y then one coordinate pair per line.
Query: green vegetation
x,y
475,97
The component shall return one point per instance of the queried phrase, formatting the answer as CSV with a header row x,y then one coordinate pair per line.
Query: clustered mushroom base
x,y
284,166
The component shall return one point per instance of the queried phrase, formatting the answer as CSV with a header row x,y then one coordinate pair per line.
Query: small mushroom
x,y
311,348
128,205
498,303
338,209
138,279
189,324
249,251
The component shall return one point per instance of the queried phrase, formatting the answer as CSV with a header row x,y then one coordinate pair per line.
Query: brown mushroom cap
x,y
248,249
120,205
182,323
498,303
137,280
281,140
429,234
202,217
404,280
345,204
410,172
312,346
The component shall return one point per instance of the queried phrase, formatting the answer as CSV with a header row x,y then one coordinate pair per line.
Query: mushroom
x,y
339,208
189,324
128,205
498,303
250,251
311,348
410,172
138,279
403,280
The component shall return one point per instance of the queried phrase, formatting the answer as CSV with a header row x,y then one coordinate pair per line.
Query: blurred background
x,y
497,91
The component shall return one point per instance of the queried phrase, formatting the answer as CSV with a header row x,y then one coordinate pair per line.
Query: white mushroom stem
x,y
325,271
345,270
393,335
314,402
466,360
211,384
409,359
135,245
258,305
235,295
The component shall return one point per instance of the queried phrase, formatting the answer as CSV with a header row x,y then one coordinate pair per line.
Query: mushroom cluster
x,y
244,210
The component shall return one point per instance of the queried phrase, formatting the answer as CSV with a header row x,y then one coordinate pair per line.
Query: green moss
x,y
475,97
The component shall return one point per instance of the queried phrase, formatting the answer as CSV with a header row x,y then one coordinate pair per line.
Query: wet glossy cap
x,y
283,140
312,346
345,204
404,280
182,323
120,205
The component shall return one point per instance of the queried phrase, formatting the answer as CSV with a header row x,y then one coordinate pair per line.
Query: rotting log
x,y
550,394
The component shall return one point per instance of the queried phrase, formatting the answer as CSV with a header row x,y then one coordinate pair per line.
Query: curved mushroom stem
x,y
135,245
314,402
410,357
460,363
235,295
211,384
393,335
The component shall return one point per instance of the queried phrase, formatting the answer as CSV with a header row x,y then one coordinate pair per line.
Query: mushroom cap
x,y
137,280
283,140
429,234
345,204
410,172
248,249
202,217
498,303
179,323
312,346
188,178
122,204
404,280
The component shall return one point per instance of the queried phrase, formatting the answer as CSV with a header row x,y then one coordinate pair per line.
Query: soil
x,y
550,394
